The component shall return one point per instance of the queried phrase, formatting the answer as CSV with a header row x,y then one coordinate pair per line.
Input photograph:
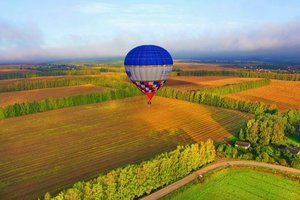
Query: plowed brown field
x,y
199,82
9,98
48,151
285,94
12,81
203,66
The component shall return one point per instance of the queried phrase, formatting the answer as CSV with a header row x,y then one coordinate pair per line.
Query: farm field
x,y
199,82
285,94
9,98
12,81
242,184
12,66
4,70
203,66
49,151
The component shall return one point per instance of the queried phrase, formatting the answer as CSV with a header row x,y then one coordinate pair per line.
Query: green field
x,y
241,184
51,150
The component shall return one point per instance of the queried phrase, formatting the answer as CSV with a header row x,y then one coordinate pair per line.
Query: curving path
x,y
170,188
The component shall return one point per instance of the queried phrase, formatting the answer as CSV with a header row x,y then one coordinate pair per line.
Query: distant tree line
x,y
136,180
112,69
205,73
227,89
85,71
217,100
25,108
108,81
12,75
53,67
178,72
242,73
269,75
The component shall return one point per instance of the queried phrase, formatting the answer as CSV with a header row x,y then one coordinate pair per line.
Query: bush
x,y
296,164
264,157
221,147
282,162
247,156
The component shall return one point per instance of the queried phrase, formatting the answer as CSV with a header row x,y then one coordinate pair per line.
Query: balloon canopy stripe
x,y
147,66
148,74
148,86
148,55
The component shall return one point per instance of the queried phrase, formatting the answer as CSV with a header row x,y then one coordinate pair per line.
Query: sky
x,y
34,30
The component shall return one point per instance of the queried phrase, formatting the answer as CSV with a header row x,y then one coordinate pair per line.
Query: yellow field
x,y
4,70
49,151
203,66
199,82
12,81
285,94
9,98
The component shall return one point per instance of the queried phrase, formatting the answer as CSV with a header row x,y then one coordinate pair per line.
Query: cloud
x,y
19,36
266,37
276,39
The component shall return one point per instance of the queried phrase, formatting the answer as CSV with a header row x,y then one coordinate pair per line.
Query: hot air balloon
x,y
148,67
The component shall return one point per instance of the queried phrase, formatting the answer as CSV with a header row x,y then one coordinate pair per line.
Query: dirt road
x,y
166,190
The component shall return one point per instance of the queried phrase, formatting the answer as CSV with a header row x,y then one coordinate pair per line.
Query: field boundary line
x,y
174,186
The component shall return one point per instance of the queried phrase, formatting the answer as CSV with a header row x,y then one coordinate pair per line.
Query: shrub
x,y
282,162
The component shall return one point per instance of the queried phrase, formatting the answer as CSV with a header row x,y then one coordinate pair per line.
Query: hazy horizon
x,y
34,31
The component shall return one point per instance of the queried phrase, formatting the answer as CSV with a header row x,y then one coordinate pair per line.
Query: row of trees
x,y
84,71
20,109
12,75
136,180
115,81
112,69
242,73
126,90
227,89
205,73
25,108
219,101
268,75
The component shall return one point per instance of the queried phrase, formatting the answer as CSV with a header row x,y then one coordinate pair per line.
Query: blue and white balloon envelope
x,y
148,67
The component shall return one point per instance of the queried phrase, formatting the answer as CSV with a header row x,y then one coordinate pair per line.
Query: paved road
x,y
166,190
